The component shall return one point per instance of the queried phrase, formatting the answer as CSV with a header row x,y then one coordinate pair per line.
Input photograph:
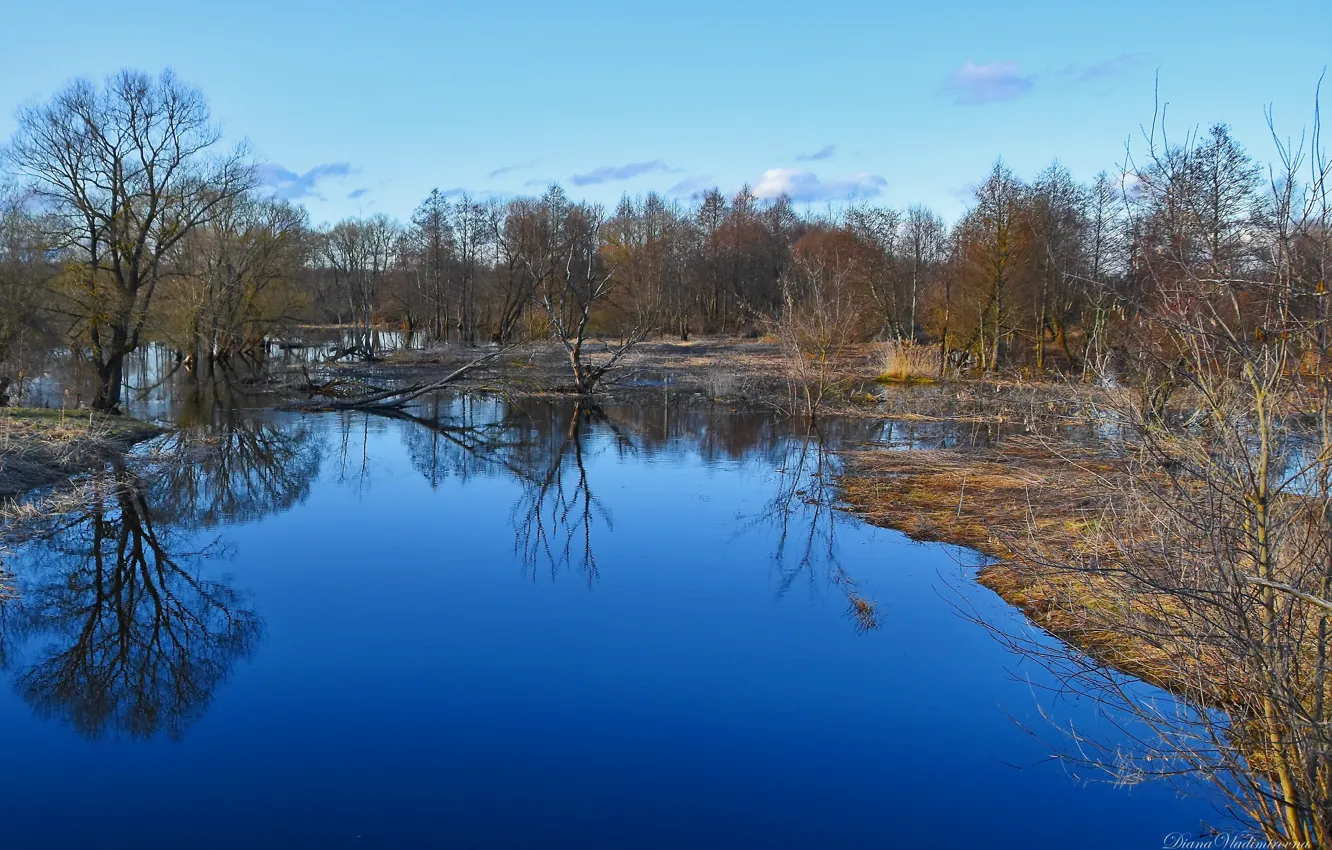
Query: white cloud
x,y
285,183
806,186
973,85
825,152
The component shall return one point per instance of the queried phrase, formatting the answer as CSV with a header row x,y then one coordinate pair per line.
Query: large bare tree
x,y
125,170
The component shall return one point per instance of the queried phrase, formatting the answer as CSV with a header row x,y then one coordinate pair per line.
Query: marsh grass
x,y
41,446
1028,509
906,362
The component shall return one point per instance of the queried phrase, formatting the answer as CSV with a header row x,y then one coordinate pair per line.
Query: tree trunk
x,y
110,375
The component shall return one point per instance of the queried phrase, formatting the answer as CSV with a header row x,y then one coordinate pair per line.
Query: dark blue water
x,y
500,626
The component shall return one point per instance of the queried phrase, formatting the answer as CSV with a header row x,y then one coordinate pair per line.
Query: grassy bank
x,y
1034,511
41,446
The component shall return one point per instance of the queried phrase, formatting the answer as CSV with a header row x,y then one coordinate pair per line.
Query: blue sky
x,y
364,107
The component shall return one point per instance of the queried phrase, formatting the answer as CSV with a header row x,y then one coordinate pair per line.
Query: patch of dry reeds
x,y
1038,514
907,362
39,446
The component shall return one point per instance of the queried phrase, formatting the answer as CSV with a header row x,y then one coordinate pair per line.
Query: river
x,y
522,624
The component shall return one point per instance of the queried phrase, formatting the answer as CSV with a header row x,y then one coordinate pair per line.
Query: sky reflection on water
x,y
484,624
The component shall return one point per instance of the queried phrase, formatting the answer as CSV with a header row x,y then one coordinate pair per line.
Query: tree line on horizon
x,y
124,220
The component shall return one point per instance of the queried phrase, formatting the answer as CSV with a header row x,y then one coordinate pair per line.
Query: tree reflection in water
x,y
805,512
238,469
544,447
136,640
120,629
555,516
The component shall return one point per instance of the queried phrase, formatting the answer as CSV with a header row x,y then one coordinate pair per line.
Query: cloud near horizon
x,y
610,173
1120,64
690,186
975,85
507,169
288,184
806,187
824,152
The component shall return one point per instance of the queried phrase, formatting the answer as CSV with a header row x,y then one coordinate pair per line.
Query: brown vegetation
x,y
40,447
1026,506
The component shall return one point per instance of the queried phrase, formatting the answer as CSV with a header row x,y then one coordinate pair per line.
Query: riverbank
x,y
39,447
1051,521
739,373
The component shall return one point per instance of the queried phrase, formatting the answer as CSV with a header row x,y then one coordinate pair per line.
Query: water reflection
x,y
401,642
134,638
121,627
555,518
546,447
237,469
804,514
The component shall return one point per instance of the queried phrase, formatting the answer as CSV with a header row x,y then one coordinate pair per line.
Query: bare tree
x,y
1055,220
922,243
824,314
236,281
1207,565
989,237
1103,263
433,236
471,231
361,253
572,277
125,172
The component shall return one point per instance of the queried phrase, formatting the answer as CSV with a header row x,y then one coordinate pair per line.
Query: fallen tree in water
x,y
398,397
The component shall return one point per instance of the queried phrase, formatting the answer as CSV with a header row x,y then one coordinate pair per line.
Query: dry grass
x,y
1032,510
906,362
40,447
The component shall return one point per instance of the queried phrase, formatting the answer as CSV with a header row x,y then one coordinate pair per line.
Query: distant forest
x,y
125,220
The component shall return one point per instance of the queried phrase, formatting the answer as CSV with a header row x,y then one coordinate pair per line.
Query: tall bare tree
x,y
125,171
433,237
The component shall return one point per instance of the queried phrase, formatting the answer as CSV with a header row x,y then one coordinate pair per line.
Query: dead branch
x,y
399,397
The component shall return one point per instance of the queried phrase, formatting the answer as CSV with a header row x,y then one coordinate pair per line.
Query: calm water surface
x,y
487,624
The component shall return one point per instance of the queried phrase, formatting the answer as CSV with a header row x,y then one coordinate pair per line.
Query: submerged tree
x,y
561,246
